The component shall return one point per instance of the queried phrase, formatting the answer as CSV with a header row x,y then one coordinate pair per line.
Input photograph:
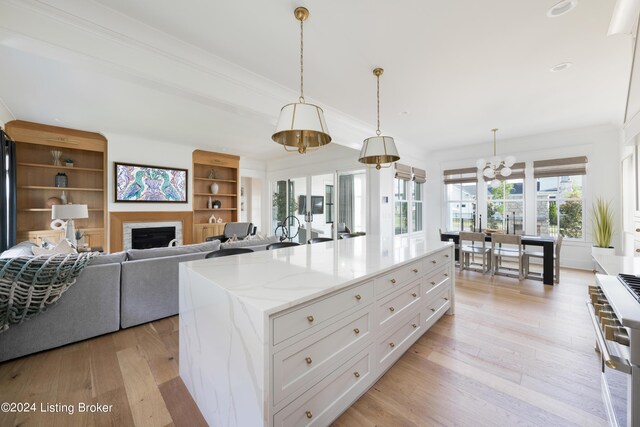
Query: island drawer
x,y
316,355
319,312
398,303
437,306
437,260
321,404
435,282
398,277
395,343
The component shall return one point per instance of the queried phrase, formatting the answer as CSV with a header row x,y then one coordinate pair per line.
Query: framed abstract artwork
x,y
155,184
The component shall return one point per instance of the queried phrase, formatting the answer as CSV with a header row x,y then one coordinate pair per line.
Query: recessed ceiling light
x,y
560,67
565,6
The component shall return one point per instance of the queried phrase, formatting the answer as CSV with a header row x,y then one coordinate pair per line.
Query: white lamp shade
x,y
509,161
378,150
69,211
481,163
495,161
489,173
495,183
505,171
301,126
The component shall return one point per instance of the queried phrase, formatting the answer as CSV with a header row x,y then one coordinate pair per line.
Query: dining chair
x,y
319,240
279,245
528,254
227,252
349,235
468,252
507,246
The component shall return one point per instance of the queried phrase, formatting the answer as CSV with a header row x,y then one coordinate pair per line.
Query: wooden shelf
x,y
215,180
39,165
215,195
38,187
219,209
49,210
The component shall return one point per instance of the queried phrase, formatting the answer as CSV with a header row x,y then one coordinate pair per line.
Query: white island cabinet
x,y
293,336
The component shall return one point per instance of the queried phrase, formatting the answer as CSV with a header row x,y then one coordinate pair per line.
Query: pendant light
x,y
496,168
301,126
378,150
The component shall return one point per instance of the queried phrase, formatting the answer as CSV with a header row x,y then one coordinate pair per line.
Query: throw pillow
x,y
64,247
21,249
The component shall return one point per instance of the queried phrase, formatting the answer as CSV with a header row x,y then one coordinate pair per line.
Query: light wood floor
x,y
514,354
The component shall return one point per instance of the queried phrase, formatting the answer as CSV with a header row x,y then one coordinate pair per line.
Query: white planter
x,y
595,250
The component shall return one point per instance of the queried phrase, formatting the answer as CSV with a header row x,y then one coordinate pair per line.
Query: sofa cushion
x,y
21,249
115,258
136,254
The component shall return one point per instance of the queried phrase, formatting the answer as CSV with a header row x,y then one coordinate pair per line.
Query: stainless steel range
x,y
615,312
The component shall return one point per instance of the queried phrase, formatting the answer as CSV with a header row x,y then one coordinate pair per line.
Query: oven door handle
x,y
602,344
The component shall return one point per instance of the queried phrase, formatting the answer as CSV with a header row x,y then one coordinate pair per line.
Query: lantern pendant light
x,y
378,150
301,127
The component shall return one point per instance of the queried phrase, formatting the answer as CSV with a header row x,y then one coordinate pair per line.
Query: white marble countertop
x,y
615,264
272,281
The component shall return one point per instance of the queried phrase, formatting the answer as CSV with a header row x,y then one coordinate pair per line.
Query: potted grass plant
x,y
602,223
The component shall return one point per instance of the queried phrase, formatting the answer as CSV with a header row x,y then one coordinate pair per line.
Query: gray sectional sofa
x,y
114,291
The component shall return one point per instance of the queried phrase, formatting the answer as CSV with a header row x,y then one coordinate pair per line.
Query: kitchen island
x,y
294,336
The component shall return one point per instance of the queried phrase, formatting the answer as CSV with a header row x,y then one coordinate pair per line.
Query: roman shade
x,y
403,172
560,167
517,172
419,175
461,176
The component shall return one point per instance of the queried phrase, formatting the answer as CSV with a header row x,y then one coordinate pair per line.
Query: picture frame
x,y
138,183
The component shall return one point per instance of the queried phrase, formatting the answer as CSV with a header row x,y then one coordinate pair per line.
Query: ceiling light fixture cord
x,y
494,141
378,106
301,61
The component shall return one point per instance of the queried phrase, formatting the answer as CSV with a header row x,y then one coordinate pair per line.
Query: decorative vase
x,y
61,179
212,219
56,155
209,203
63,198
214,188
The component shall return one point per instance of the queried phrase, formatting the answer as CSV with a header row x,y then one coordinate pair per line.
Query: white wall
x,y
600,144
5,114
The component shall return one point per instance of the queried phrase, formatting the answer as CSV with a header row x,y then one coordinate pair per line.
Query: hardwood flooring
x,y
514,354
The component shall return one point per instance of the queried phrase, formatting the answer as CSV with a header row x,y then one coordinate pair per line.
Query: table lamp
x,y
63,216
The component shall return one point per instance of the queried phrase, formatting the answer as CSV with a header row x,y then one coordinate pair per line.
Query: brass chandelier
x,y
301,127
378,150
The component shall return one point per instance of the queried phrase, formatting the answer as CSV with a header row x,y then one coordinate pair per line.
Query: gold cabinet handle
x,y
308,359
358,297
415,270
446,274
414,295
357,331
357,374
414,325
310,318
637,230
446,255
433,261
393,281
637,250
433,309
446,299
391,345
391,309
309,414
433,283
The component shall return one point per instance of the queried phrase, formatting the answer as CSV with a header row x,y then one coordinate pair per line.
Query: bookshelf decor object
x,y
40,151
216,184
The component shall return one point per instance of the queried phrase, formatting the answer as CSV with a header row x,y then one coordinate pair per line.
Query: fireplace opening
x,y
152,237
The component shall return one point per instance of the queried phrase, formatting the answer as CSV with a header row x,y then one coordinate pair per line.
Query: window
x,y
505,206
559,196
560,206
401,222
461,189
416,206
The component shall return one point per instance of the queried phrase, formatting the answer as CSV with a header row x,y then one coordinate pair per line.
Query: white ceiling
x,y
458,67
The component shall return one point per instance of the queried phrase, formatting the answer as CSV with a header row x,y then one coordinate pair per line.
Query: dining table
x,y
547,243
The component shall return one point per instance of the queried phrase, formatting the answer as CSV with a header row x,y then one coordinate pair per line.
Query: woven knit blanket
x,y
29,285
